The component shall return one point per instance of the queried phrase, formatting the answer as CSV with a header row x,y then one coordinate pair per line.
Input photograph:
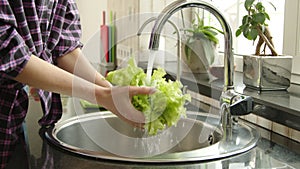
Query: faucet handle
x,y
242,105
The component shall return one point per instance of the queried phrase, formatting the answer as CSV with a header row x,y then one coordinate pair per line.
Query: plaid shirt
x,y
45,28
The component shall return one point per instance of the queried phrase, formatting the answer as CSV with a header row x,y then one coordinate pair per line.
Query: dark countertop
x,y
281,152
272,150
278,106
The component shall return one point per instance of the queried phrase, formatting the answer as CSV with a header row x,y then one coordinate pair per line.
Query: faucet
x,y
178,74
232,103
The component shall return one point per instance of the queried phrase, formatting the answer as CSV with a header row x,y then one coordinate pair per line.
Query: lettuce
x,y
161,109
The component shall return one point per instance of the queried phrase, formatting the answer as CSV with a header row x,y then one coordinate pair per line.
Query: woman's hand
x,y
118,101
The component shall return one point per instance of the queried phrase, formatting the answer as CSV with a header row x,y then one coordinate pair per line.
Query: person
x,y
40,47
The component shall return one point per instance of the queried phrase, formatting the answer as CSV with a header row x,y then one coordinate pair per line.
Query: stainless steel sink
x,y
103,135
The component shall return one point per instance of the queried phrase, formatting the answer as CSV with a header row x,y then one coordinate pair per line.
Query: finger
x,y
122,102
134,90
103,82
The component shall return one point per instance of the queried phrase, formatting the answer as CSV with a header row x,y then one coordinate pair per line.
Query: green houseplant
x,y
265,69
199,45
254,26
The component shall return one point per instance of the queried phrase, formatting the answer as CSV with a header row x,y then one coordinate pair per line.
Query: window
x,y
284,26
234,11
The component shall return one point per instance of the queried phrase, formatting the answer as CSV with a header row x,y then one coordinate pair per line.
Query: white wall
x,y
91,16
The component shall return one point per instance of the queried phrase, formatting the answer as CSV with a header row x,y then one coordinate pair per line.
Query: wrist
x,y
102,95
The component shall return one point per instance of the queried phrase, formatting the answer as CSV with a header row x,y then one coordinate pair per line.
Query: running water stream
x,y
151,59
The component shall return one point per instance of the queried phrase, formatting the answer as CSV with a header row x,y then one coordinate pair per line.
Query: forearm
x,y
40,74
76,63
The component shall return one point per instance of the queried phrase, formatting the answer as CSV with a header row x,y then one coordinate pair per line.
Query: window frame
x,y
291,44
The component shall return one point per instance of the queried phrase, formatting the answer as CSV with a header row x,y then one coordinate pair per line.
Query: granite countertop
x,y
279,152
39,153
279,106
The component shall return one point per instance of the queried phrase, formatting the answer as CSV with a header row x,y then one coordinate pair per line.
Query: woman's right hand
x,y
118,101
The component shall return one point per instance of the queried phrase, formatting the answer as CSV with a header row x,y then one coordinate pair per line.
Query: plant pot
x,y
267,72
201,56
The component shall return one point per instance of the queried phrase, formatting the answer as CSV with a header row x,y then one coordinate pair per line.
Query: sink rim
x,y
202,154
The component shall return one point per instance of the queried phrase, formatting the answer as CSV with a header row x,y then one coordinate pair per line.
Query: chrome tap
x,y
232,103
178,74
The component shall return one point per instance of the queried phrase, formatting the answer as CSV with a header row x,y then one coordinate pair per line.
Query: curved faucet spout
x,y
181,4
178,74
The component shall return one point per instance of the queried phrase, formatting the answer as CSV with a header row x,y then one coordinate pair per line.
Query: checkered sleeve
x,y
14,54
71,31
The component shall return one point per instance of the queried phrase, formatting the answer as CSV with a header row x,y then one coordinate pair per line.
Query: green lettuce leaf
x,y
163,108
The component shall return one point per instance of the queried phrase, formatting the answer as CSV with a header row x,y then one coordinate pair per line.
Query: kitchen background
x,y
286,19
129,15
284,25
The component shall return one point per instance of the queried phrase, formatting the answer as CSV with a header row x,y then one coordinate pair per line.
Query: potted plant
x,y
266,69
199,45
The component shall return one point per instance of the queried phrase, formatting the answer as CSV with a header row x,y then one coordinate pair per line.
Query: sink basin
x,y
103,135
